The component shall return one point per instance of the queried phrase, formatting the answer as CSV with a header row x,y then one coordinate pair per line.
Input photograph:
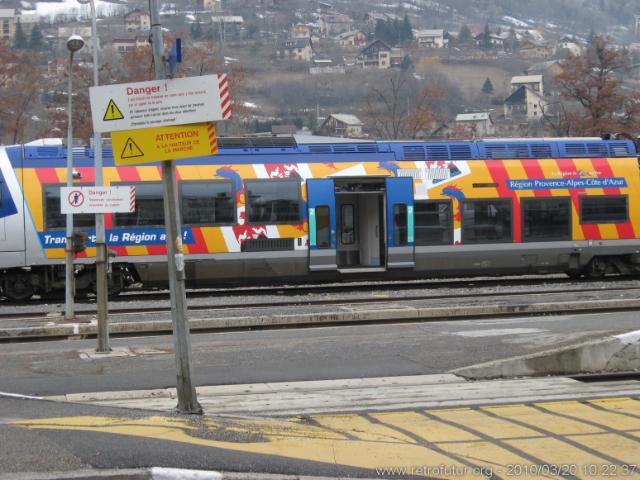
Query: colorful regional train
x,y
285,209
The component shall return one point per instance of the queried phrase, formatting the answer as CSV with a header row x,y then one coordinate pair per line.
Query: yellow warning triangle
x,y
112,112
131,150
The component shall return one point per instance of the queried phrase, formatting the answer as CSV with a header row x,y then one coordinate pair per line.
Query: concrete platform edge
x,y
382,314
612,354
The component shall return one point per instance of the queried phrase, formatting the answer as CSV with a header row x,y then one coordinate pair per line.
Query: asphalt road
x,y
52,368
73,436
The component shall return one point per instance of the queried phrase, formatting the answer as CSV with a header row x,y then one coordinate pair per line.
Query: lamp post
x,y
102,284
74,43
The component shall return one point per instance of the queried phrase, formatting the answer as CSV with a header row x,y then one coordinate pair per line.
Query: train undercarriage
x,y
48,282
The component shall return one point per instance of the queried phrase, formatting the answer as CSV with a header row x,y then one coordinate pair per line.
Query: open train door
x,y
400,253
321,200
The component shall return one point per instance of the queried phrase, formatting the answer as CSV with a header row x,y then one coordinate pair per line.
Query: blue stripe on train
x,y
133,237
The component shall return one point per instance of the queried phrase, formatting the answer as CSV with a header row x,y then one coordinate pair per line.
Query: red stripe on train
x,y
500,176
625,230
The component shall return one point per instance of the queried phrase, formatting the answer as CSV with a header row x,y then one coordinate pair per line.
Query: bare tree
x,y
20,91
401,108
593,82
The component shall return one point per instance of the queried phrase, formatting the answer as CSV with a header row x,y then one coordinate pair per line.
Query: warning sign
x,y
160,103
164,143
112,112
131,150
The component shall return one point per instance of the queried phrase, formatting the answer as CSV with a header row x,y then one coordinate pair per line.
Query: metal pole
x,y
187,399
102,282
69,286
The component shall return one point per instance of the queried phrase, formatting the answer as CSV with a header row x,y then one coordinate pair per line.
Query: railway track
x,y
284,290
379,296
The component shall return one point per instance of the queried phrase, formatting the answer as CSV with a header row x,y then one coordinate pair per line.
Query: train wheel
x,y
597,268
573,275
116,284
18,288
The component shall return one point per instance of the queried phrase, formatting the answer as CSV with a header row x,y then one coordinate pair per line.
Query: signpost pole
x,y
187,399
102,282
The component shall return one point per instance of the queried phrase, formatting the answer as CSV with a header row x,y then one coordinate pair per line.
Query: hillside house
x,y
480,124
525,102
7,18
211,5
331,25
530,48
354,38
377,54
229,26
305,30
535,82
137,20
429,38
125,45
371,19
570,45
342,125
548,68
299,49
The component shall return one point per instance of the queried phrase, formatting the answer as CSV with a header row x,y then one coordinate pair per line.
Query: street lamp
x,y
102,283
74,43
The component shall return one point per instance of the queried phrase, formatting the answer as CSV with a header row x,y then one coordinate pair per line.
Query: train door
x,y
360,213
3,227
321,202
400,228
11,219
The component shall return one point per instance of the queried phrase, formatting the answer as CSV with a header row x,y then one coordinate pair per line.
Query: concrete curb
x,y
381,314
620,353
154,473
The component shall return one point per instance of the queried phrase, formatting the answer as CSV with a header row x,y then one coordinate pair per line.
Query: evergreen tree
x,y
381,30
487,88
464,36
395,28
196,31
20,39
486,37
407,30
36,40
406,63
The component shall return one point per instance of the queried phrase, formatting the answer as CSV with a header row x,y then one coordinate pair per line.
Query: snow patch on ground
x,y
515,21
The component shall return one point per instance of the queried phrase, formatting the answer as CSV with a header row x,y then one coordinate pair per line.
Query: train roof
x,y
412,150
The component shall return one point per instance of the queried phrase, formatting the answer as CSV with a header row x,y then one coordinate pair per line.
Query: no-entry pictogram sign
x,y
97,199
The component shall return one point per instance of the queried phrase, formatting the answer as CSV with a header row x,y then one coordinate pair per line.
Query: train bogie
x,y
337,210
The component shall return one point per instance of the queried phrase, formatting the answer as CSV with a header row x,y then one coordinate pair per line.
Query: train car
x,y
287,209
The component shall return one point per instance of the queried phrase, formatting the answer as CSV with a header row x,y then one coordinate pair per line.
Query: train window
x,y
273,201
208,203
149,208
601,209
545,219
399,224
347,225
53,219
433,222
486,221
323,227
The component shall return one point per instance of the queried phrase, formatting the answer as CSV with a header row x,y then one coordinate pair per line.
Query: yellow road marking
x,y
530,416
409,440
486,425
431,430
625,450
580,411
